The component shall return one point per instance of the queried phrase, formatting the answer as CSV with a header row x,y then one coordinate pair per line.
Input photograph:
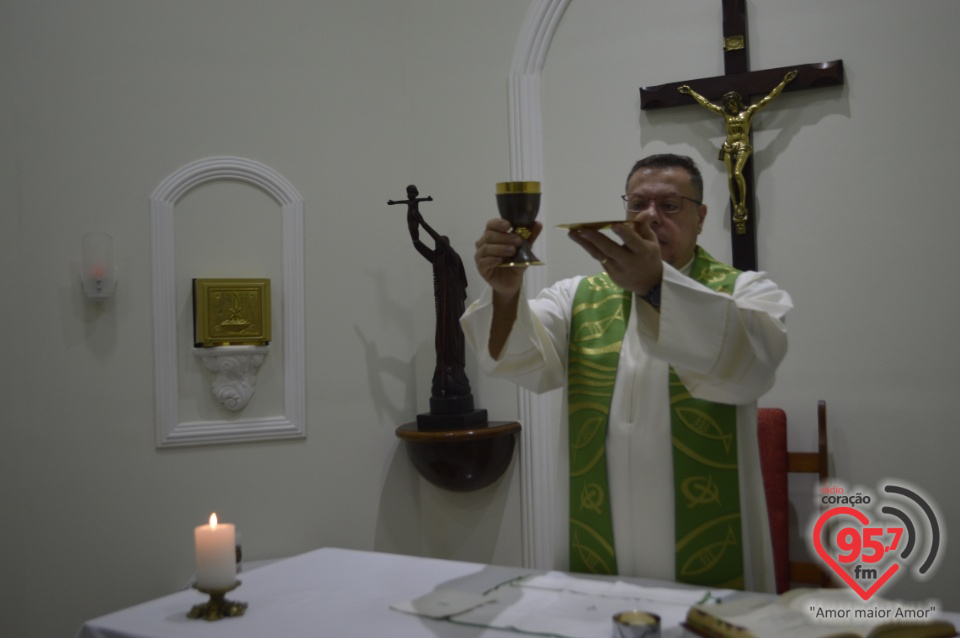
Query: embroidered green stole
x,y
706,486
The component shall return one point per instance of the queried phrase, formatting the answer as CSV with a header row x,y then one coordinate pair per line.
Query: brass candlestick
x,y
218,606
519,203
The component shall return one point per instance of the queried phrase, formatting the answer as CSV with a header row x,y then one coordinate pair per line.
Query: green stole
x,y
706,483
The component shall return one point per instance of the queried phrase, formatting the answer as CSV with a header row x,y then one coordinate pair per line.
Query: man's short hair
x,y
669,160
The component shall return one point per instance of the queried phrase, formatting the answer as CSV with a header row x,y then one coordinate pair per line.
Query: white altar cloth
x,y
326,592
330,592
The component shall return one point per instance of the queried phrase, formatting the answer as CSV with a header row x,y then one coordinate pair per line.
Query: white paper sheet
x,y
560,605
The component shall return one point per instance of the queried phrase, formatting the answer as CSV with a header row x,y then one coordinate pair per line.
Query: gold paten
x,y
230,312
733,43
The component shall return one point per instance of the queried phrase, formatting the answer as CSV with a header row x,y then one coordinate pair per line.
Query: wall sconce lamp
x,y
98,274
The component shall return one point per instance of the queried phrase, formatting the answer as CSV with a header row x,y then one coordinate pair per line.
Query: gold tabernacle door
x,y
228,312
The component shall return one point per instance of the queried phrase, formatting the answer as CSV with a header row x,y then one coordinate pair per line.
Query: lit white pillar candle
x,y
216,554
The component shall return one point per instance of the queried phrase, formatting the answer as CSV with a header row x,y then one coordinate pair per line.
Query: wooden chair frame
x,y
776,464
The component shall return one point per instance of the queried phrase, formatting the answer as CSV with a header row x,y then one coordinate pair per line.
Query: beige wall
x,y
14,484
351,101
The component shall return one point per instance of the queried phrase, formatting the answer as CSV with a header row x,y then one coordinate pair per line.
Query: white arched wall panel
x,y
537,494
291,424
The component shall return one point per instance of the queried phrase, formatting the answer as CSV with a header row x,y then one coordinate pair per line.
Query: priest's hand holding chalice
x,y
503,251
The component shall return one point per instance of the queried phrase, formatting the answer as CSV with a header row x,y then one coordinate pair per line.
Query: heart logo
x,y
818,544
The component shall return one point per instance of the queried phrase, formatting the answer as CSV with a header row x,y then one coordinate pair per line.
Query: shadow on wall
x,y
417,518
381,370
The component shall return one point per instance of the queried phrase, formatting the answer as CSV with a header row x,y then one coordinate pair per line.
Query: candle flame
x,y
213,521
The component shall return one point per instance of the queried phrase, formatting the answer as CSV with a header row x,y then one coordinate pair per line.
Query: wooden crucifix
x,y
739,80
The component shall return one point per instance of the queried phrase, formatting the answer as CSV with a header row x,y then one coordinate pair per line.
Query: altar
x,y
351,593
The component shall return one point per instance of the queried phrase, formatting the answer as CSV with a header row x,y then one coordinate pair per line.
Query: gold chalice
x,y
519,203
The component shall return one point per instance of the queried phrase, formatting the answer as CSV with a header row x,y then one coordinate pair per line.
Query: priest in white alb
x,y
662,358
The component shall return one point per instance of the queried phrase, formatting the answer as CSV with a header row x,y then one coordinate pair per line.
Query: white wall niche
x,y
169,430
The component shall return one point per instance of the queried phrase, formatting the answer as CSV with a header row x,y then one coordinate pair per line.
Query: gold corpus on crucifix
x,y
749,84
737,148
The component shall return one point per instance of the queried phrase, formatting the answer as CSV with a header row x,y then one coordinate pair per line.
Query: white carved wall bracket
x,y
236,368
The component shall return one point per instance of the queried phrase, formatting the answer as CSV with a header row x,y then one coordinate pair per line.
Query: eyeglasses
x,y
668,205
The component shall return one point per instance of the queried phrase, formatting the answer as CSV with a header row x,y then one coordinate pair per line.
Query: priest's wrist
x,y
504,315
506,300
653,296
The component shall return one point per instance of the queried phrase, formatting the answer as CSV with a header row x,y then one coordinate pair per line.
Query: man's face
x,y
677,233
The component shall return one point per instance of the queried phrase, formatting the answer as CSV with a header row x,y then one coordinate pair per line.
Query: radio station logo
x,y
869,539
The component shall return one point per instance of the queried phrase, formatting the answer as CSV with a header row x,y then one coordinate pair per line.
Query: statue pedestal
x,y
430,422
461,460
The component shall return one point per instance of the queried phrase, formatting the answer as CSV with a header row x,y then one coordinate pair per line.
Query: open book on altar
x,y
816,613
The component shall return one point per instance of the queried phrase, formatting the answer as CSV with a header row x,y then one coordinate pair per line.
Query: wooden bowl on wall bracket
x,y
461,460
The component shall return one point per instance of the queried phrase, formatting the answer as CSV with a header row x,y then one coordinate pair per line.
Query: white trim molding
x,y
538,496
169,430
